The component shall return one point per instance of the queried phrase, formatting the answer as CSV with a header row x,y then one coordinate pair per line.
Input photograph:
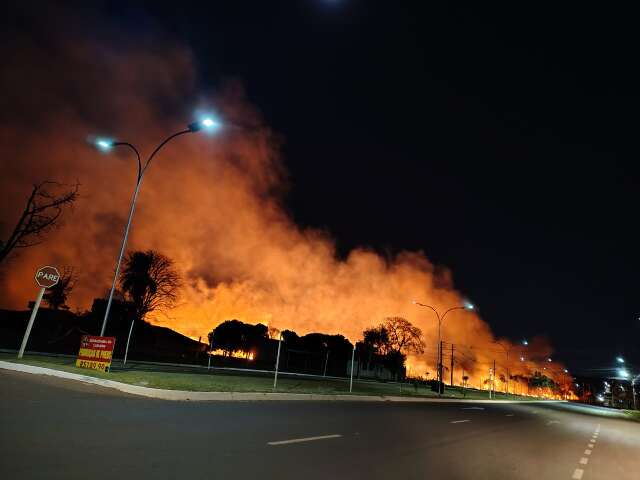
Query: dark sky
x,y
503,143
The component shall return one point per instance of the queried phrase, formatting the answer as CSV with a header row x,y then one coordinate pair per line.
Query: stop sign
x,y
47,277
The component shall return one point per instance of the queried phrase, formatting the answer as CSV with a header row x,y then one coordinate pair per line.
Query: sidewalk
x,y
182,395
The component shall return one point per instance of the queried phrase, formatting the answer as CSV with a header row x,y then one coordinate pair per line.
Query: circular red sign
x,y
47,277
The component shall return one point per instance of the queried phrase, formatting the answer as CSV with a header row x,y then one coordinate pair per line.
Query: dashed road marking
x,y
587,452
305,439
472,408
584,461
577,474
590,445
551,422
509,415
460,421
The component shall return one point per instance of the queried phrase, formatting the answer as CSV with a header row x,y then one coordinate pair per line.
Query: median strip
x,y
306,439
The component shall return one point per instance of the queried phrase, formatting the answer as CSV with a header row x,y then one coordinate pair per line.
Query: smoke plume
x,y
212,203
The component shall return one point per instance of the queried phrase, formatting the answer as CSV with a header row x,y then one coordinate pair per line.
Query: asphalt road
x,y
52,428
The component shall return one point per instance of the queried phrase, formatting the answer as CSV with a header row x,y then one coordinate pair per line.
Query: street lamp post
x,y
105,144
506,350
441,318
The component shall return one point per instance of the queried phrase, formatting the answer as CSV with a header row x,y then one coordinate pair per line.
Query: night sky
x,y
502,143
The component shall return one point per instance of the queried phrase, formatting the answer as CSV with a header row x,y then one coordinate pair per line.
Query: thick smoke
x,y
210,202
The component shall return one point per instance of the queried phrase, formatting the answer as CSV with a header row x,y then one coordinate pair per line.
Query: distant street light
x,y
619,359
466,306
106,144
525,343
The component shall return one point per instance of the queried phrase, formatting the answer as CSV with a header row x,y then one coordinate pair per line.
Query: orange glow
x,y
236,354
213,203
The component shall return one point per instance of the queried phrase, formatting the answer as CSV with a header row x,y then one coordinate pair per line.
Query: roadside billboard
x,y
95,352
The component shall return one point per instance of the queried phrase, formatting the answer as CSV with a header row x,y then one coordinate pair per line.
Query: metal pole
x,y
633,393
452,364
275,378
326,360
123,246
439,355
353,355
493,383
210,348
126,350
508,372
30,324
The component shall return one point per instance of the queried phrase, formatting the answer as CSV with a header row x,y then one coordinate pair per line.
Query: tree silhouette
x,y
150,282
56,296
41,214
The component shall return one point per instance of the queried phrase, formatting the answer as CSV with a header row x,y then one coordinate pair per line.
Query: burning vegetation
x,y
212,204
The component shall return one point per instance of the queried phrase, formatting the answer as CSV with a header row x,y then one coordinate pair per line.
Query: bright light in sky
x,y
620,360
524,342
469,306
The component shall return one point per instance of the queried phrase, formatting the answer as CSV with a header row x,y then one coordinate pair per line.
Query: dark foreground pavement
x,y
56,429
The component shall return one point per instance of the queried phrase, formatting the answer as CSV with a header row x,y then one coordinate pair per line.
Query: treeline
x,y
381,352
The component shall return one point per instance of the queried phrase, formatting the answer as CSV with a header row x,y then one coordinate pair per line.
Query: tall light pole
x,y
105,144
467,306
506,350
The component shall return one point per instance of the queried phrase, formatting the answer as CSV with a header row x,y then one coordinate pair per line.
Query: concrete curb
x,y
182,395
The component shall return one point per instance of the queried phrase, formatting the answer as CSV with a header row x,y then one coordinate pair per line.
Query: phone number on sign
x,y
94,365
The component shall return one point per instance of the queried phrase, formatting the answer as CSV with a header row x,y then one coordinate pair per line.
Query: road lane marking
x,y
460,421
551,422
509,415
577,474
584,461
472,408
590,445
587,452
305,439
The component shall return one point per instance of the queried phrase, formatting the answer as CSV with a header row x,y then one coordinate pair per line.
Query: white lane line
x,y
509,415
551,422
472,408
306,439
590,445
587,452
577,474
598,428
460,421
584,461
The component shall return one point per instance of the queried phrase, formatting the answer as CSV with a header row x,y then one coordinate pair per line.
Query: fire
x,y
211,203
235,354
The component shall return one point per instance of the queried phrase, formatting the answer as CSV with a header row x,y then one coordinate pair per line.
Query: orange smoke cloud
x,y
211,203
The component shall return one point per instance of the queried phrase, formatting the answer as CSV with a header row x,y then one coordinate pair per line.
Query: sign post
x,y
46,277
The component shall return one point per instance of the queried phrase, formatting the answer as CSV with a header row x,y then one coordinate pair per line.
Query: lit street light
x,y
466,306
619,359
105,145
525,343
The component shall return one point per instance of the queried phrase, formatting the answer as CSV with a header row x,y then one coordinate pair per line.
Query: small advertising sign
x,y
95,352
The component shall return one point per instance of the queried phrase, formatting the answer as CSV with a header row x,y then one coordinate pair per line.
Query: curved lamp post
x,y
105,144
441,318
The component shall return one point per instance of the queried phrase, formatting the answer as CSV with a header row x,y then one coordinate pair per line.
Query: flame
x,y
211,203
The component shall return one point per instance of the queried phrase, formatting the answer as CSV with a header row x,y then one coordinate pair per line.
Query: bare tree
x,y
56,296
403,336
41,214
150,282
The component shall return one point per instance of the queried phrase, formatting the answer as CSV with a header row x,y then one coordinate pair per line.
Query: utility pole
x,y
452,364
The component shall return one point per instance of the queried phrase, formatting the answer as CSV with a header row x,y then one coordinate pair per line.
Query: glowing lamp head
x,y
469,306
622,372
619,359
207,123
104,143
525,343
549,360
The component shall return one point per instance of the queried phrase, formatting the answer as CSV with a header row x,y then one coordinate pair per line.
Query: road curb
x,y
183,395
